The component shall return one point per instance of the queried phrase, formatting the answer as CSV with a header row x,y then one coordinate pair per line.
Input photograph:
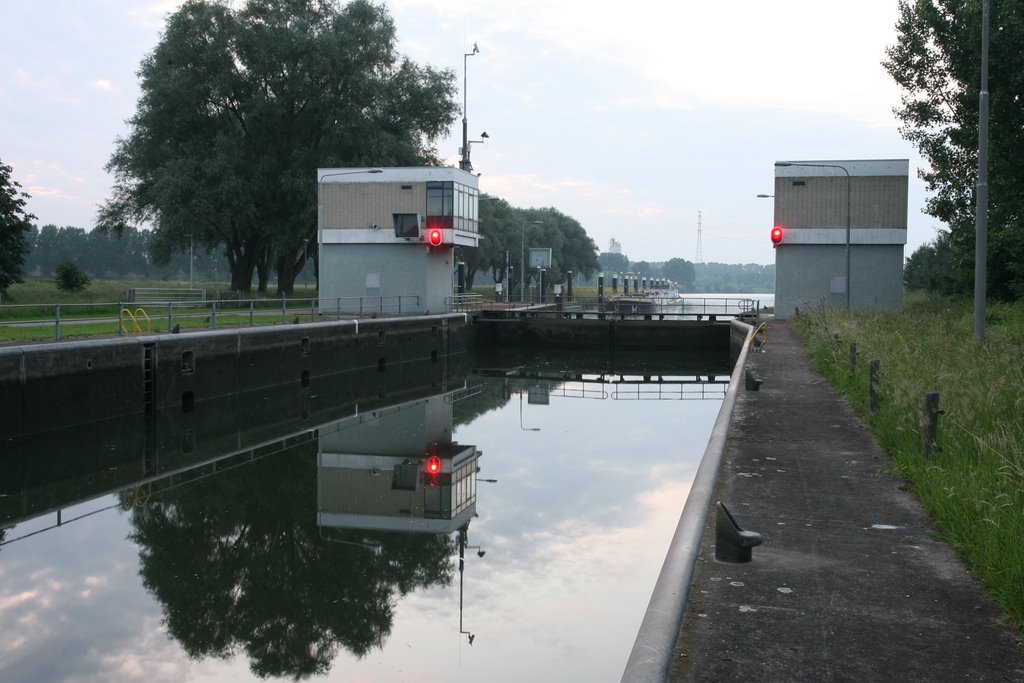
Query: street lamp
x,y
849,194
320,205
190,260
525,429
522,260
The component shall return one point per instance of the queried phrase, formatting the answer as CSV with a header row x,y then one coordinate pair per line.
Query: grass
x,y
29,309
973,484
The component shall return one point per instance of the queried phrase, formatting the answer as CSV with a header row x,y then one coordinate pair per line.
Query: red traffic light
x,y
435,237
433,465
777,235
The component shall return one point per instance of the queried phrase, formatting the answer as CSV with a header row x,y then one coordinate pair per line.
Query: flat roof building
x,y
387,235
843,229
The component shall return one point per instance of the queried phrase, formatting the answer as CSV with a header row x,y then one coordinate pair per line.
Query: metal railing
x,y
615,305
149,295
54,322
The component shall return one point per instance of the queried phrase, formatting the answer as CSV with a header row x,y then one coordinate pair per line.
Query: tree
x,y
613,263
681,271
239,108
70,278
928,268
936,60
15,229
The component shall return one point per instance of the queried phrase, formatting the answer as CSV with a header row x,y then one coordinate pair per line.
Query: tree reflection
x,y
238,563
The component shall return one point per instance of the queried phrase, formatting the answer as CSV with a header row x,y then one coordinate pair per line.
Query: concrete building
x,y
843,229
375,228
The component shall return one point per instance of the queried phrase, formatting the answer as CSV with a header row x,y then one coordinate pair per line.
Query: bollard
x,y
568,286
732,543
751,381
600,288
873,388
615,283
931,423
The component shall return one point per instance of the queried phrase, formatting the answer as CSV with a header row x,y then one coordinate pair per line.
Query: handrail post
x,y
170,315
252,312
57,331
120,318
284,310
213,316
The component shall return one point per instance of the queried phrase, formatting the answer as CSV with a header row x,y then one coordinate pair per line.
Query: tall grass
x,y
973,485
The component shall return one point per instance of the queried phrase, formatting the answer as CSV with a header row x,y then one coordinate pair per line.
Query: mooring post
x,y
873,389
931,422
853,358
600,288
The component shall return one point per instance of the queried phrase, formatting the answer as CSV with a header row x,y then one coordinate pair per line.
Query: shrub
x,y
70,278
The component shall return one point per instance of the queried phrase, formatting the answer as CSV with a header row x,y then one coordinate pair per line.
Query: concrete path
x,y
851,583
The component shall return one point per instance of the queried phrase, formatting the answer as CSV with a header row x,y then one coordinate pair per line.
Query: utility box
x,y
386,237
839,233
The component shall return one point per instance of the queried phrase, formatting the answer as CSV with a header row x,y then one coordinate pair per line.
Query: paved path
x,y
851,583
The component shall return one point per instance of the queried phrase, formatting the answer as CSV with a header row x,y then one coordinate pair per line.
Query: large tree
x,y
15,226
239,107
937,62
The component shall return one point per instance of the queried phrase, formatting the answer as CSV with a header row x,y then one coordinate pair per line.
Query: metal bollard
x,y
732,543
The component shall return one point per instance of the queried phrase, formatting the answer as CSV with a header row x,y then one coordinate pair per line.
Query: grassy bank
x,y
973,483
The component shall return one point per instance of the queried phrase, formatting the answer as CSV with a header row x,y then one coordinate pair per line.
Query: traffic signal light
x,y
777,235
435,237
432,471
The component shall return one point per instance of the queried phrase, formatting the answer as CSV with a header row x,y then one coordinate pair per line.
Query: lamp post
x,y
522,260
320,205
190,260
849,194
525,429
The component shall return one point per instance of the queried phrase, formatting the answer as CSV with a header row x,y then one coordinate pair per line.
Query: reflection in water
x,y
290,526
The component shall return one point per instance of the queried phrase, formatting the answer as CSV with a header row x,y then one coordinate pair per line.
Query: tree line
x,y
937,62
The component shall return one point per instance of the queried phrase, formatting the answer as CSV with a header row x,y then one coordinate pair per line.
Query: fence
x,y
45,322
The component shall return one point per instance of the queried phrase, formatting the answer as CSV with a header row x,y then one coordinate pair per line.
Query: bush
x,y
70,278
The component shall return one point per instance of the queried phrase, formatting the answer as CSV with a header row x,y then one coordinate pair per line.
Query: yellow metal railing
x,y
760,337
134,317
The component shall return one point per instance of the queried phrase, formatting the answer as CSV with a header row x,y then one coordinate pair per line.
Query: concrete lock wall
x,y
50,386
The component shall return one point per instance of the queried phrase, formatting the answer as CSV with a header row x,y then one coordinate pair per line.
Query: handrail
x,y
762,329
136,330
651,657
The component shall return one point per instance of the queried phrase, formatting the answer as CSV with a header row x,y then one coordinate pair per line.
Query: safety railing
x,y
55,322
619,305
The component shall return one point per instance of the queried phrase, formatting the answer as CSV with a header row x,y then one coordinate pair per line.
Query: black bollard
x,y
732,543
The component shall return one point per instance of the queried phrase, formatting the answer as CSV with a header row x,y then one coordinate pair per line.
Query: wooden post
x,y
853,358
873,365
931,422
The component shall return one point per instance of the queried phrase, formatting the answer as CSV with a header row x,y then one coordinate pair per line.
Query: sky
x,y
648,122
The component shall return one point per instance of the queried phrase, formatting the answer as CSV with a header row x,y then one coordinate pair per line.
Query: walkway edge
x,y
651,658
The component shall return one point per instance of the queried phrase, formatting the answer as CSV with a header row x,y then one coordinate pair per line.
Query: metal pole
x,y
849,194
981,211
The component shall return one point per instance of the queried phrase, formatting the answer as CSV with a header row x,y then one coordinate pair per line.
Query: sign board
x,y
540,257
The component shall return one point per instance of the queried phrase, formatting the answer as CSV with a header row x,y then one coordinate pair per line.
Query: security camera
x,y
484,134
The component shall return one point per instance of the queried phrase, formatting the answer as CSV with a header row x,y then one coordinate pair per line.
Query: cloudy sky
x,y
634,118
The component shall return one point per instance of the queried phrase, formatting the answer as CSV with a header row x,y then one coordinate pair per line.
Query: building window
x,y
451,204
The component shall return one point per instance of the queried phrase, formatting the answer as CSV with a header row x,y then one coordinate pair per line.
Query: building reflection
x,y
397,469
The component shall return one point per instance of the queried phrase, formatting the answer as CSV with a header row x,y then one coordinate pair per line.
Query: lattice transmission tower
x,y
700,238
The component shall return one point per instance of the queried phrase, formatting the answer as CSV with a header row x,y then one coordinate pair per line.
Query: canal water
x,y
308,536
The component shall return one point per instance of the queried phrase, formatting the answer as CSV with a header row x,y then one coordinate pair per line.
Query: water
x,y
302,547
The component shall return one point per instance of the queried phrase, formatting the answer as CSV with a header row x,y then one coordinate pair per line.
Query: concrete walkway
x,y
851,583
